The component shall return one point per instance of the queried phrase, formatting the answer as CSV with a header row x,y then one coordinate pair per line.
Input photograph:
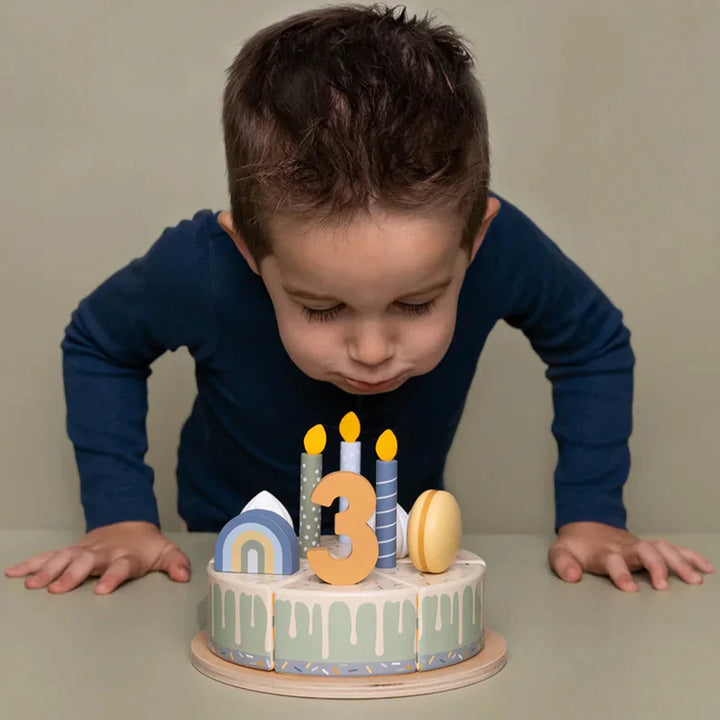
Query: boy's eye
x,y
333,312
417,308
322,315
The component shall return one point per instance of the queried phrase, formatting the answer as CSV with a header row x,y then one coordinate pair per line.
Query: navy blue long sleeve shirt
x,y
193,289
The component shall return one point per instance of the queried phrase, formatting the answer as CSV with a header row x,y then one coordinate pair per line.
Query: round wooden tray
x,y
483,665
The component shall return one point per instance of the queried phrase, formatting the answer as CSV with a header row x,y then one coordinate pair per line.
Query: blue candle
x,y
350,450
386,476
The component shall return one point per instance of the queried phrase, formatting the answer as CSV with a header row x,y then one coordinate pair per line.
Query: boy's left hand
x,y
605,550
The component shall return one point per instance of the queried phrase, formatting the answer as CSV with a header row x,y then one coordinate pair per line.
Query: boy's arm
x,y
581,337
161,301
158,302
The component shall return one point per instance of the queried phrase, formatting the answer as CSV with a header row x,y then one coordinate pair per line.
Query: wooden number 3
x,y
351,522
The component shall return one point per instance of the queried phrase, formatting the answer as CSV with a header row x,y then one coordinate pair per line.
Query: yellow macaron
x,y
434,531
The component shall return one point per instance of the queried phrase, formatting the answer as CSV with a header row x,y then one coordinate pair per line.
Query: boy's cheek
x,y
431,355
307,348
432,341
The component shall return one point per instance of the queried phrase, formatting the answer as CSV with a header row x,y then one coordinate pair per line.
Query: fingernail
x,y
662,585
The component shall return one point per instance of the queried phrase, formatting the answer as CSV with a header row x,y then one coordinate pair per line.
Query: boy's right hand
x,y
116,553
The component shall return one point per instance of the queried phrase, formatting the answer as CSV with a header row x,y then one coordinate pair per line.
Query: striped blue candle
x,y
386,477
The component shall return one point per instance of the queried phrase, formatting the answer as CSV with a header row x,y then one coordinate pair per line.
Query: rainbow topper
x,y
257,541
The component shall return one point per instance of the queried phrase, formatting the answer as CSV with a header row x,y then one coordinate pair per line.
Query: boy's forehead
x,y
286,229
389,250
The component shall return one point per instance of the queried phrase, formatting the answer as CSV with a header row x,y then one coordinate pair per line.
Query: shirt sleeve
x,y
159,302
581,337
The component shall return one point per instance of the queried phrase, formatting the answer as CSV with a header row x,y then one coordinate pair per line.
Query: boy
x,y
362,265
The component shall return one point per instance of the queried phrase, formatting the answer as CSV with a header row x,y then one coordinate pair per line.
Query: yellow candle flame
x,y
350,427
386,446
315,439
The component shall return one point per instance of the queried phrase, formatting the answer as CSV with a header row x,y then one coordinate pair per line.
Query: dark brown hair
x,y
338,110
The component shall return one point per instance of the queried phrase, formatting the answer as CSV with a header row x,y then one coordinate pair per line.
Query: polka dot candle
x,y
310,476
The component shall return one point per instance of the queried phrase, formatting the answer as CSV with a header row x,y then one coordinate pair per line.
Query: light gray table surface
x,y
575,651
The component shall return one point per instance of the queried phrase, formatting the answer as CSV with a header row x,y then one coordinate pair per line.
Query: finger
x,y
678,564
75,573
653,562
619,573
50,570
176,564
696,559
122,569
29,566
565,565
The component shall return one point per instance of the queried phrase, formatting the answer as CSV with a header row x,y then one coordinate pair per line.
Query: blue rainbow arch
x,y
257,541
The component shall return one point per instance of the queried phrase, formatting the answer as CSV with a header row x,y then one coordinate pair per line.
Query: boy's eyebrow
x,y
310,295
307,294
436,287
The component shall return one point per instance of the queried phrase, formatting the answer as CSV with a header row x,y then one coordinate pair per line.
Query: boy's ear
x,y
226,223
493,207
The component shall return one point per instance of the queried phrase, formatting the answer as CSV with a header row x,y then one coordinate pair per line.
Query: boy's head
x,y
357,155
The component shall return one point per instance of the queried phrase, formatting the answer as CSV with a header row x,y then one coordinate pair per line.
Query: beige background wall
x,y
604,123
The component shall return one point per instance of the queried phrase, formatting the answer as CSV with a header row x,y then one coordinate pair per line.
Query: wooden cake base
x,y
480,667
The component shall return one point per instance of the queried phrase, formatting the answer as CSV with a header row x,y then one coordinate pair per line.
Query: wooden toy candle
x,y
310,474
349,455
386,499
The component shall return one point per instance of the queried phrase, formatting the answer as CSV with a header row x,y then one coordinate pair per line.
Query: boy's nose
x,y
370,345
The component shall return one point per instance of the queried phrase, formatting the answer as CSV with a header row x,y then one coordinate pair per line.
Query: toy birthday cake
x,y
390,594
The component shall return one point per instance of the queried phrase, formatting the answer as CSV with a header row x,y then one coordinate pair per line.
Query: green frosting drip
x,y
396,646
253,638
448,638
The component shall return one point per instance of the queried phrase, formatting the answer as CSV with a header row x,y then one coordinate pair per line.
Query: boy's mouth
x,y
378,387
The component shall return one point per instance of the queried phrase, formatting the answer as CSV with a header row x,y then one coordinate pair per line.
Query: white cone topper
x,y
265,500
402,525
